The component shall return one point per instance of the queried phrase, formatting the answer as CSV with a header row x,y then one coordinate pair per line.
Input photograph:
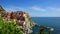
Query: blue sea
x,y
53,22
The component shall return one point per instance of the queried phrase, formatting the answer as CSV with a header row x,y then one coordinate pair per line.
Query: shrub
x,y
10,27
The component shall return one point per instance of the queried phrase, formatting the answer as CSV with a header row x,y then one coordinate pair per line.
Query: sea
x,y
53,22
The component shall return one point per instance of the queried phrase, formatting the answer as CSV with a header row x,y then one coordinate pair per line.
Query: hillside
x,y
12,20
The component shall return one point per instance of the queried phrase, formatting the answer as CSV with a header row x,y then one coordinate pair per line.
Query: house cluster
x,y
15,16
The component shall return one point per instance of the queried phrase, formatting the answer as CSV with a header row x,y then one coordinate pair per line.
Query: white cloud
x,y
45,11
54,9
15,8
35,8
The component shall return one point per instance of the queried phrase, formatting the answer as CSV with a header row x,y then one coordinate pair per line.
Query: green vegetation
x,y
10,27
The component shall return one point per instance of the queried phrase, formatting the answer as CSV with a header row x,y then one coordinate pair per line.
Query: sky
x,y
35,8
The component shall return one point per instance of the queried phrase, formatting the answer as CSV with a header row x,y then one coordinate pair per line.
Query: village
x,y
21,18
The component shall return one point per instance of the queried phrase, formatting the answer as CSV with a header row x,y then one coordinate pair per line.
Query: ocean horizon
x,y
53,22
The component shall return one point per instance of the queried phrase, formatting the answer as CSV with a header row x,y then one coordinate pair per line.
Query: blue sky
x,y
36,8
